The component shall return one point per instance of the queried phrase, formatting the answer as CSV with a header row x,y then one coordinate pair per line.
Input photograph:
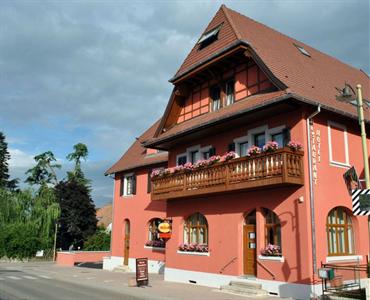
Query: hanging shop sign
x,y
351,179
361,202
142,277
164,227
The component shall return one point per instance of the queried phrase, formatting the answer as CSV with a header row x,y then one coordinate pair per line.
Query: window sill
x,y
339,164
155,248
271,258
193,253
127,196
343,258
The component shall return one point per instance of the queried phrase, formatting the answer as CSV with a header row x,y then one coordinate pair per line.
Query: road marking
x,y
44,276
29,277
13,277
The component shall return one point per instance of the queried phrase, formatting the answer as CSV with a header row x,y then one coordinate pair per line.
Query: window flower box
x,y
156,244
203,248
271,250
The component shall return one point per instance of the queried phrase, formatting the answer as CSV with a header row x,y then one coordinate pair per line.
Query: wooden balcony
x,y
280,168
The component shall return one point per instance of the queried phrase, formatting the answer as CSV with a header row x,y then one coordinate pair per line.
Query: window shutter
x,y
212,151
149,188
286,136
231,147
134,184
121,182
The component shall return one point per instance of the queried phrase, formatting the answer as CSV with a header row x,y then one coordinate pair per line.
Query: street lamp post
x,y
349,95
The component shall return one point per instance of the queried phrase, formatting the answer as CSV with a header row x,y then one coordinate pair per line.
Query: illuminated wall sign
x,y
164,227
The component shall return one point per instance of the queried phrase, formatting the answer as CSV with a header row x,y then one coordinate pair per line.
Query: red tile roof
x,y
309,78
136,156
104,215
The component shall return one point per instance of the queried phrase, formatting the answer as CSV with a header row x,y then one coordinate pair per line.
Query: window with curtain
x,y
196,230
272,228
339,232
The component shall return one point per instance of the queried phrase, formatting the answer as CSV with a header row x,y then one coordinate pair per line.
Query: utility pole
x,y
55,241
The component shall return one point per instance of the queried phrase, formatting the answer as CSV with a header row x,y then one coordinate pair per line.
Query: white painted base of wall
x,y
154,266
283,289
111,262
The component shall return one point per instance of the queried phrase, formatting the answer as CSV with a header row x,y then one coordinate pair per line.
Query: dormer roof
x,y
305,73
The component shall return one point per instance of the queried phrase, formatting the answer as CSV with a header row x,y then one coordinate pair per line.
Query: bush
x,y
19,241
99,241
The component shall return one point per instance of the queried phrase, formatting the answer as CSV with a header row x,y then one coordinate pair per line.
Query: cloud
x,y
97,72
20,159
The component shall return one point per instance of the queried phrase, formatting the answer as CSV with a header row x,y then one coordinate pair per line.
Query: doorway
x,y
126,243
249,244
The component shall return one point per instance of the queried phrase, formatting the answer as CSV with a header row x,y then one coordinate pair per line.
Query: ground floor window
x,y
272,230
153,234
196,229
339,232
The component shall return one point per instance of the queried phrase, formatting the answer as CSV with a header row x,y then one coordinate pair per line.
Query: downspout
x,y
312,196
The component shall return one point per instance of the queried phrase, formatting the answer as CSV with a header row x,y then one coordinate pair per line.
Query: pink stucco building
x,y
245,86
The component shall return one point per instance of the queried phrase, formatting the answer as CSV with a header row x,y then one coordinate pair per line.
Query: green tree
x,y
78,218
99,241
27,222
44,171
80,152
4,158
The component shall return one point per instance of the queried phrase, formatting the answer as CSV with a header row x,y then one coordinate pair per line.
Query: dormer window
x,y
229,92
302,50
216,98
209,37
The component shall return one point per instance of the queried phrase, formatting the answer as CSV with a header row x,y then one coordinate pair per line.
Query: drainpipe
x,y
312,196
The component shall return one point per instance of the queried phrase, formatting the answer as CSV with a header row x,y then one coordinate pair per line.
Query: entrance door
x,y
249,245
126,243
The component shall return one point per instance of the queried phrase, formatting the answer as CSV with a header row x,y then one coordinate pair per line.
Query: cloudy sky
x,y
97,72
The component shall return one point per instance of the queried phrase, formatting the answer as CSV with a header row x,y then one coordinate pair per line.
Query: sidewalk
x,y
158,289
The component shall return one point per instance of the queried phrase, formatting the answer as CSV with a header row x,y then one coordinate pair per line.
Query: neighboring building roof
x,y
136,156
310,78
104,215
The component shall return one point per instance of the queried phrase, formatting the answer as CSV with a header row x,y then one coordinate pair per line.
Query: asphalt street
x,y
16,284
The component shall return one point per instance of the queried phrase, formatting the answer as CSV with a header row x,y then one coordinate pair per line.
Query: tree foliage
x,y
99,241
44,171
78,219
4,158
80,152
27,221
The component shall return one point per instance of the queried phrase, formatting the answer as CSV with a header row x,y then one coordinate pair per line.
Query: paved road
x,y
47,281
22,284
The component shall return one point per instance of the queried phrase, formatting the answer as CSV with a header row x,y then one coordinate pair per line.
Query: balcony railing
x,y
280,168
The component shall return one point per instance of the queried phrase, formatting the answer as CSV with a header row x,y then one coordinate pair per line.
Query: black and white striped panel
x,y
356,202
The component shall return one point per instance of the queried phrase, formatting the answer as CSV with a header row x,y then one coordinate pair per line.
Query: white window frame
x,y
204,149
331,161
190,150
257,130
125,184
238,141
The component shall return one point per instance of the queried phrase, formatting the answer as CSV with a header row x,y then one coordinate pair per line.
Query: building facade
x,y
257,147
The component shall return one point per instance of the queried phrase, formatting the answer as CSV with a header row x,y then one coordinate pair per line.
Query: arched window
x,y
196,230
272,228
339,232
153,229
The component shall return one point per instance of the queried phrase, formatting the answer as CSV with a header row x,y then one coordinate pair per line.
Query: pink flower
x,y
253,150
270,146
295,146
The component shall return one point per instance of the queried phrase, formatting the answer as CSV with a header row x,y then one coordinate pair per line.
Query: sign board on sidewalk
x,y
142,277
361,202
